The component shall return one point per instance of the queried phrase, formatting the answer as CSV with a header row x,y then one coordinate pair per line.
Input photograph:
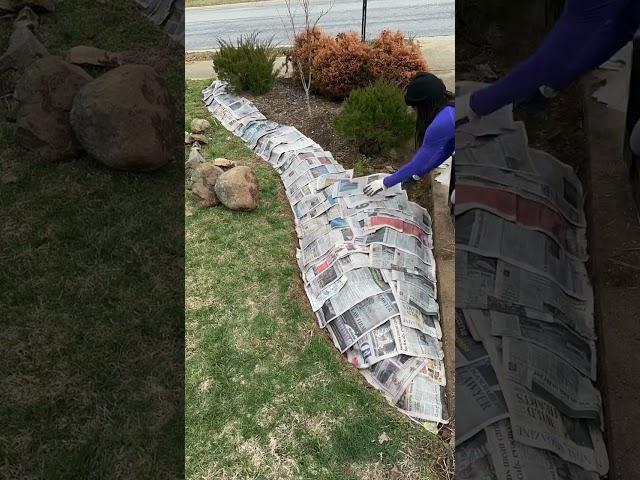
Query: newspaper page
x,y
283,134
303,162
478,394
407,243
389,258
277,154
539,424
258,129
367,222
554,337
473,460
425,399
348,328
556,184
489,235
530,214
520,462
361,283
541,371
423,222
289,138
416,296
415,278
321,264
318,288
494,284
413,317
508,151
392,376
323,244
468,350
331,218
391,339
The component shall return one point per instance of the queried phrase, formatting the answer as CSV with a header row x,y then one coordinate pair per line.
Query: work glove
x,y
464,113
374,187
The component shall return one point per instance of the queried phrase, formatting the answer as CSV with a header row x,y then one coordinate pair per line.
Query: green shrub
x,y
249,65
376,118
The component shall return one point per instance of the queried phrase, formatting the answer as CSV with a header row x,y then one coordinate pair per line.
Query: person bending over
x,y
435,131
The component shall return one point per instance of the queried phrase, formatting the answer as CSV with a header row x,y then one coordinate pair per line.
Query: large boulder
x,y
238,189
125,119
44,97
205,177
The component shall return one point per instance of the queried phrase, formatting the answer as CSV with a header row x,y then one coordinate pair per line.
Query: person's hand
x,y
374,187
464,113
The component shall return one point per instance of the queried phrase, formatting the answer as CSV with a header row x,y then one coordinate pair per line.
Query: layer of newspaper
x,y
366,262
525,334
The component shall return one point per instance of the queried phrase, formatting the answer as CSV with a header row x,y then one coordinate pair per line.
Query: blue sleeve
x,y
437,146
587,34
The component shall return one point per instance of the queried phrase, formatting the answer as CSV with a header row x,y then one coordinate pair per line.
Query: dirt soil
x,y
286,104
488,54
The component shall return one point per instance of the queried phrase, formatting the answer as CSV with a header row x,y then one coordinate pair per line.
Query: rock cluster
x,y
237,188
125,118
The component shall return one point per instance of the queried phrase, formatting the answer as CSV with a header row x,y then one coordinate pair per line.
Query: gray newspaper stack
x,y
525,338
167,14
366,262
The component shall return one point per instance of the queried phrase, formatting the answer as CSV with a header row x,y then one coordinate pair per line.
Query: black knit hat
x,y
424,89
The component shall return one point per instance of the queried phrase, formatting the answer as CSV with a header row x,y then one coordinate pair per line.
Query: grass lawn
x,y
267,394
92,293
208,3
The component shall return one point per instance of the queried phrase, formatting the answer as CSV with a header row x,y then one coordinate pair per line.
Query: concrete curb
x,y
614,234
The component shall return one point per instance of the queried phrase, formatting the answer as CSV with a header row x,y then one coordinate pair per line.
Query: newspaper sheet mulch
x,y
366,262
167,14
525,337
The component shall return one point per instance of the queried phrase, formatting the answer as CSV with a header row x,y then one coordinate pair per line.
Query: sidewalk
x,y
439,52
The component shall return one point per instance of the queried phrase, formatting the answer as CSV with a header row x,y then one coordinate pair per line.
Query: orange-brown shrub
x,y
341,66
306,46
395,59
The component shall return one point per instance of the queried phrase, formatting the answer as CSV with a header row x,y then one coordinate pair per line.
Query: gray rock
x,y
199,125
125,119
238,189
205,177
195,159
224,163
198,137
83,55
44,97
25,46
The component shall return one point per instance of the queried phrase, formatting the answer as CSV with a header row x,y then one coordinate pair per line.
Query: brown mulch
x,y
286,104
483,55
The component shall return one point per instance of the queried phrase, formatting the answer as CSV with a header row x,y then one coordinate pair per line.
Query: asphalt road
x,y
421,18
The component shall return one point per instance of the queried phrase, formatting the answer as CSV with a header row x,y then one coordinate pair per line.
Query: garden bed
x,y
286,104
